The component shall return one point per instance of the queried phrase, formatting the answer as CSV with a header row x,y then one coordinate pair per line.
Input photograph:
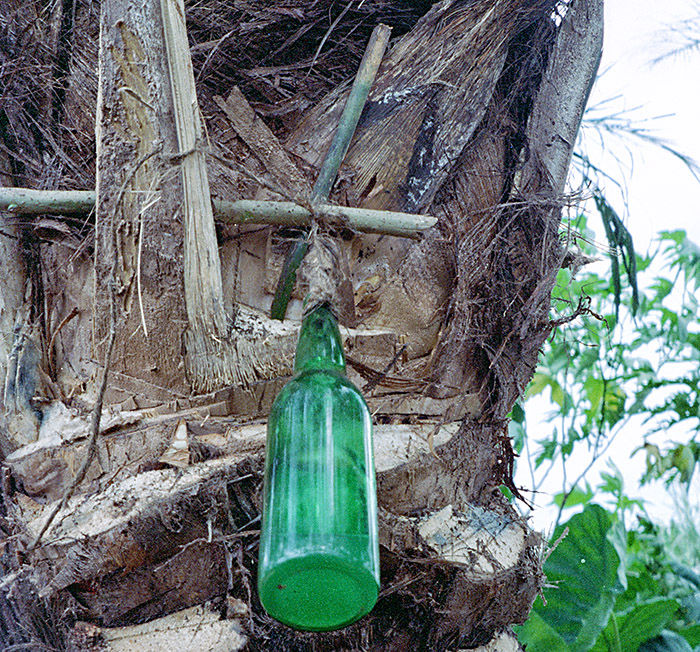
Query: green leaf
x,y
549,449
612,483
507,493
639,625
594,389
620,240
684,460
614,403
691,634
517,413
557,393
663,287
540,381
583,569
517,434
576,497
617,536
540,636
677,236
666,642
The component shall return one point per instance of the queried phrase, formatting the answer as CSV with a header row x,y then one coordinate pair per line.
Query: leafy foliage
x,y
606,371
613,590
620,582
584,577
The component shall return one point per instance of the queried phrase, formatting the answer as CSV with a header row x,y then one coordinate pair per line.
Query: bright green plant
x,y
583,577
607,370
625,358
614,590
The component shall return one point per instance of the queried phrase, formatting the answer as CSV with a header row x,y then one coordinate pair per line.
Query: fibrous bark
x,y
138,206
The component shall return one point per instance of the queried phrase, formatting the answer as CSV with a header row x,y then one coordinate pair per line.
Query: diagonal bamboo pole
x,y
372,58
347,124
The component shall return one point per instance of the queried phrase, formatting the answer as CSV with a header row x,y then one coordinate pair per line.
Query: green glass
x,y
319,556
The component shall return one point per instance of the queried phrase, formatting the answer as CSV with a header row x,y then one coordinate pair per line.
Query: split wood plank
x,y
264,145
204,296
196,628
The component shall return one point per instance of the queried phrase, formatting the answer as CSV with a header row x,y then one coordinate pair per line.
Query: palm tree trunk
x,y
472,119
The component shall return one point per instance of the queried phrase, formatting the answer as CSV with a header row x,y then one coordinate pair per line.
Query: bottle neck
x,y
319,346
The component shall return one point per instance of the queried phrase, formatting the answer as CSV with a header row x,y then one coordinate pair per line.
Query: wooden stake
x,y
204,295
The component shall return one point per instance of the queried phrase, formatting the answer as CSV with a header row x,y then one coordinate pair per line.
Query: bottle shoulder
x,y
319,384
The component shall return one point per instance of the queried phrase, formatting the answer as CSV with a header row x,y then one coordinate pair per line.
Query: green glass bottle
x,y
319,557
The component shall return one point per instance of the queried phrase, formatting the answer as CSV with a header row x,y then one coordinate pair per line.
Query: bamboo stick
x,y
289,214
25,201
374,52
351,113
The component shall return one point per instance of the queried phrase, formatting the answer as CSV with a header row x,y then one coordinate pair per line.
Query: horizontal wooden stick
x,y
290,214
24,201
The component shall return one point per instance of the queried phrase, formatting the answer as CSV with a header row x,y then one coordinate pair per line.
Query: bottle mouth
x,y
318,592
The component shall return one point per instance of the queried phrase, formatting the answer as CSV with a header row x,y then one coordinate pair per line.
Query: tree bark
x,y
139,228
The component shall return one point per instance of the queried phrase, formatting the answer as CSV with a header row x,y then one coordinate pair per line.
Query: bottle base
x,y
318,592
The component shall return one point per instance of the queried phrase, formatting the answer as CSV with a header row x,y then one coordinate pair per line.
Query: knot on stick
x,y
323,271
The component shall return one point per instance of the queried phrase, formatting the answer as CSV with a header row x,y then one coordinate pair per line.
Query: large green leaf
x,y
692,635
583,569
627,632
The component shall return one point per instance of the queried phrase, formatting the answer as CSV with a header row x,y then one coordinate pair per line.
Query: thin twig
x,y
583,473
325,37
553,547
63,322
219,43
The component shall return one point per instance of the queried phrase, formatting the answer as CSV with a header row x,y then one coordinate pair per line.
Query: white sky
x,y
661,193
